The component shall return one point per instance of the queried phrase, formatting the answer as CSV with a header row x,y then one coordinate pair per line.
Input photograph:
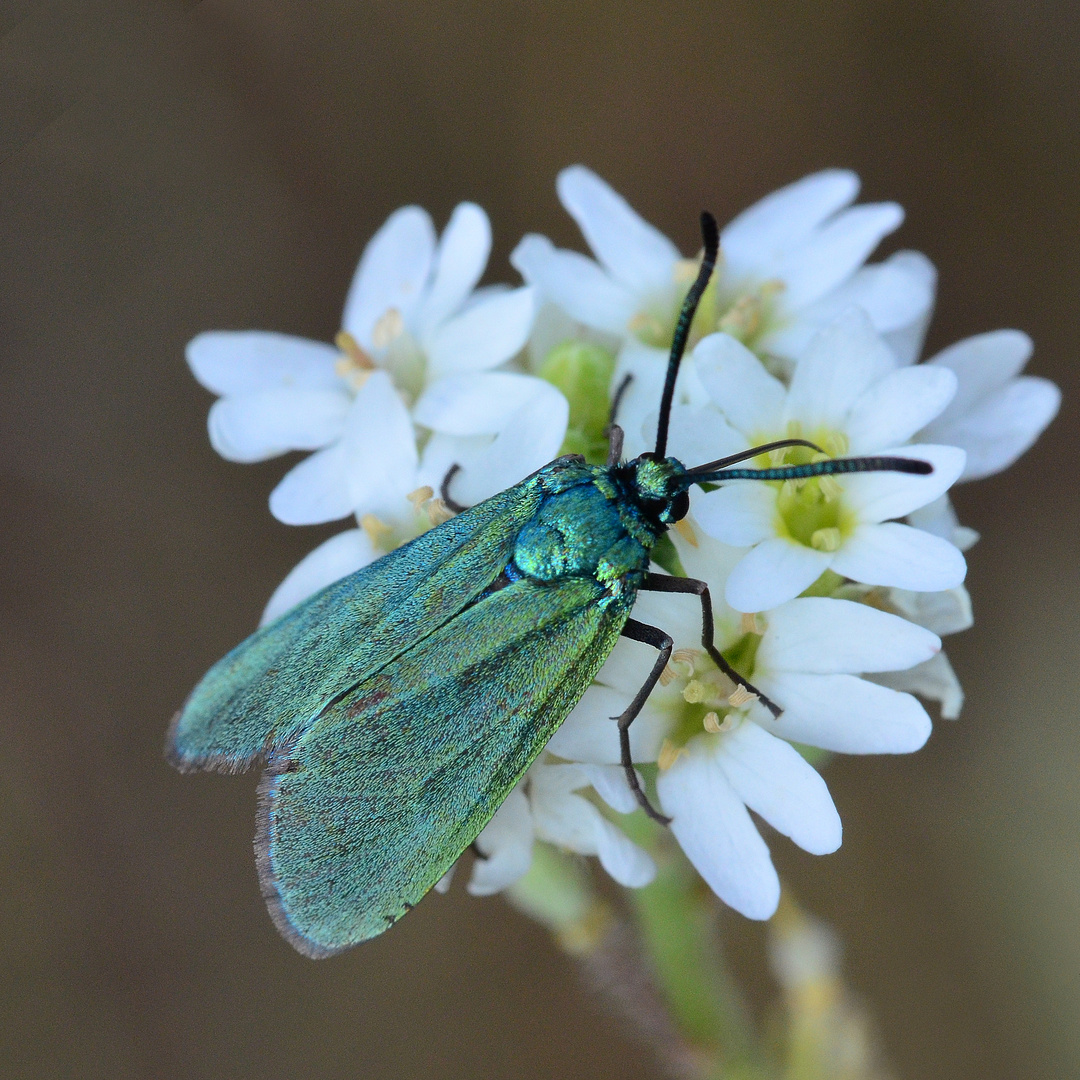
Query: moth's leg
x,y
650,635
615,443
444,490
613,431
665,583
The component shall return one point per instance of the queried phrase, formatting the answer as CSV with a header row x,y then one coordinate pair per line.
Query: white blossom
x,y
996,415
407,392
788,265
722,753
544,806
849,396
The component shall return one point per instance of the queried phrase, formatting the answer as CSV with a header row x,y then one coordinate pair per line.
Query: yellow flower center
x,y
811,512
701,698
745,310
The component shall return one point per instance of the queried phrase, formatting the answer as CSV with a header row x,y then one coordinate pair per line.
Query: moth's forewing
x,y
370,806
275,683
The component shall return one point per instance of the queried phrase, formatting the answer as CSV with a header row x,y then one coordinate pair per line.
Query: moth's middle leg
x,y
669,584
654,636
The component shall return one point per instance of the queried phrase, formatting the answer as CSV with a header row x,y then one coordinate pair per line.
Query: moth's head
x,y
660,487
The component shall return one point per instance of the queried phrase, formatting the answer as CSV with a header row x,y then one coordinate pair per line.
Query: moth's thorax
x,y
601,521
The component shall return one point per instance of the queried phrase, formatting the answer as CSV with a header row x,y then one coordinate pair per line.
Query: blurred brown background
x,y
169,167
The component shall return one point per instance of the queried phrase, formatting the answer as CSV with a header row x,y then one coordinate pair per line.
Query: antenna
x,y
710,234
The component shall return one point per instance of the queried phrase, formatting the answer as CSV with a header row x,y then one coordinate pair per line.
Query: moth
x,y
395,710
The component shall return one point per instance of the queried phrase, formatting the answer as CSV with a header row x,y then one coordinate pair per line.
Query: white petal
x,y
627,864
824,635
945,612
834,252
739,384
716,833
893,297
589,733
530,438
841,362
577,284
485,334
245,361
393,272
1004,424
609,782
786,216
631,250
775,781
263,424
506,841
892,410
381,450
459,263
939,517
935,680
906,341
739,514
478,403
898,555
845,713
697,435
338,557
877,496
639,404
773,573
982,364
889,292
314,491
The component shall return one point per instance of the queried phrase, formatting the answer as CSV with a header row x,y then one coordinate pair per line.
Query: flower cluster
x,y
829,594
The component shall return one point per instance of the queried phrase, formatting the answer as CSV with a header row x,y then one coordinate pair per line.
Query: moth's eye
x,y
680,506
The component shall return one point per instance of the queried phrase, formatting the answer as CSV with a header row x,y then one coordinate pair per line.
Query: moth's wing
x,y
371,805
273,684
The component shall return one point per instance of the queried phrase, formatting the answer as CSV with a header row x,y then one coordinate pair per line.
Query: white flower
x,y
996,415
407,393
848,396
722,754
788,265
544,806
411,313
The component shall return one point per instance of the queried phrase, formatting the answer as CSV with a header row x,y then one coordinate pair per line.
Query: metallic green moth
x,y
396,709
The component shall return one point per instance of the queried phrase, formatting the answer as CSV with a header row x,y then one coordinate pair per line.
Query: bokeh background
x,y
170,167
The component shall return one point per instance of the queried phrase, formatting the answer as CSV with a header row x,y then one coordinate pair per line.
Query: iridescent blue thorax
x,y
600,521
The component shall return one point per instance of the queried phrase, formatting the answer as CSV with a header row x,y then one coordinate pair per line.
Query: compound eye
x,y
680,506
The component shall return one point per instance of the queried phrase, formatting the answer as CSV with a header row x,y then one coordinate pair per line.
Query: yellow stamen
x,y
438,511
354,366
825,539
685,270
830,488
646,326
740,696
669,754
743,318
376,530
354,350
686,531
389,326
711,723
750,623
420,496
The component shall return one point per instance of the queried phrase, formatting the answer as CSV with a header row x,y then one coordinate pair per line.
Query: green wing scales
x,y
276,682
364,811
